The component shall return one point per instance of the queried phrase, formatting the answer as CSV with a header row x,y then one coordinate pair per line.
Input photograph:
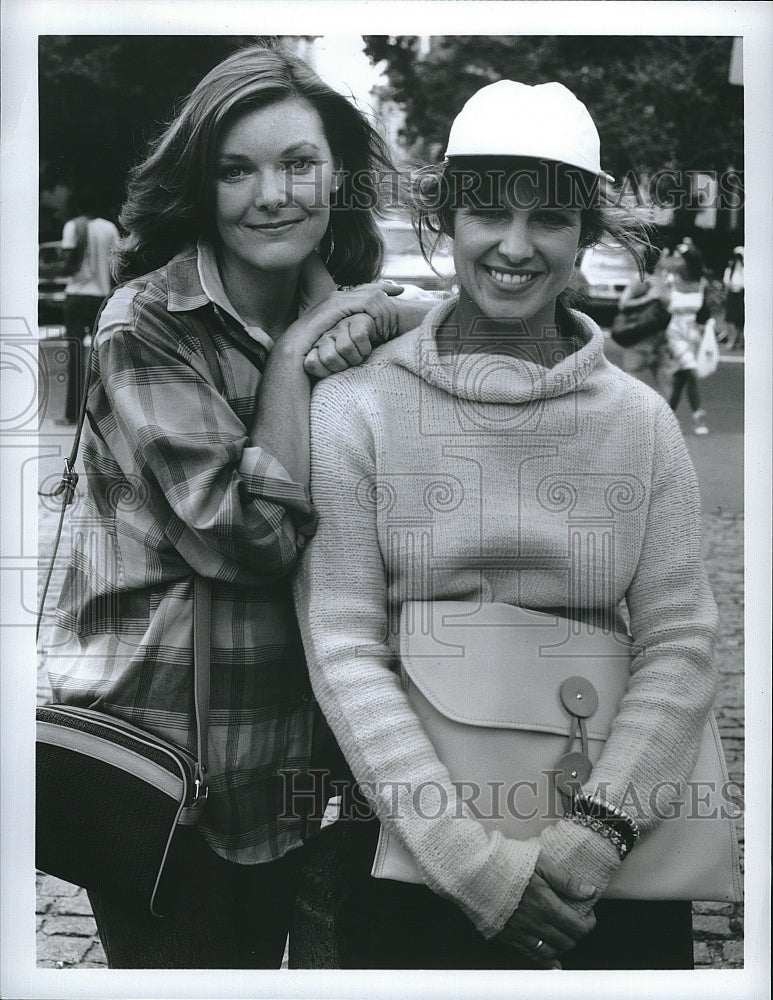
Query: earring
x,y
332,243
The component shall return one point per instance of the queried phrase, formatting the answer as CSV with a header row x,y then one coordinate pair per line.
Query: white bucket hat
x,y
544,122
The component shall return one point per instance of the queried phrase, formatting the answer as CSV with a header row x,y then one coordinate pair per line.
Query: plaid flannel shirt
x,y
172,484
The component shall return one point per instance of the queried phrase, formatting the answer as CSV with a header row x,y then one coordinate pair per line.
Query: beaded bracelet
x,y
593,805
611,816
605,829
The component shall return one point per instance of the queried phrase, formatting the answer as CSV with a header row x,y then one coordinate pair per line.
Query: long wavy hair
x,y
439,190
170,194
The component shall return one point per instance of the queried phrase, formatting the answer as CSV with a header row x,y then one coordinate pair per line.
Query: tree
x,y
659,102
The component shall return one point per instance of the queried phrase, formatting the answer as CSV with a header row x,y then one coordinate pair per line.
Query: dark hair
x,y
652,257
693,262
170,197
85,200
441,189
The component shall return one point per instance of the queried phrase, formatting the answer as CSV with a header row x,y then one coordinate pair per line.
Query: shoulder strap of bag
x,y
202,598
66,486
202,625
202,587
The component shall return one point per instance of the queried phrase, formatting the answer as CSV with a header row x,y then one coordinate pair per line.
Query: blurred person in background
x,y
686,296
733,281
648,360
88,242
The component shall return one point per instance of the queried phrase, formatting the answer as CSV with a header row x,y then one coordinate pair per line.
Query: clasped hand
x,y
343,329
556,910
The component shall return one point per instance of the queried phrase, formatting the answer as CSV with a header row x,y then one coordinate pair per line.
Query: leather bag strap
x,y
202,626
202,603
66,486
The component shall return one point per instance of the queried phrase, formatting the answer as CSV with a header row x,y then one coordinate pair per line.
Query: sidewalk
x,y
66,932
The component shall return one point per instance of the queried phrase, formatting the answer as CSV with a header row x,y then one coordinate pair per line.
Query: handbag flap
x,y
488,666
466,666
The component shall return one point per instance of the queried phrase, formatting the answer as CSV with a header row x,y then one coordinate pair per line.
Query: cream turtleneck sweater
x,y
464,478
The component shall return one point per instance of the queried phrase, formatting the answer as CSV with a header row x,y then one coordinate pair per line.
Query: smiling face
x,y
515,253
273,177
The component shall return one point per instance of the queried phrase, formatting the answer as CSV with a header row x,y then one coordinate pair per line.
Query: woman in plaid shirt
x,y
229,220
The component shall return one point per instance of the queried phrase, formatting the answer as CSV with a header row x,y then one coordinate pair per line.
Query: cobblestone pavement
x,y
66,932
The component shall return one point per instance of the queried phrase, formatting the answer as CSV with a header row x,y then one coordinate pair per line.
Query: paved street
x,y
66,934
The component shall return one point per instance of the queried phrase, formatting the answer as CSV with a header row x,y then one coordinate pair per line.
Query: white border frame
x,y
22,22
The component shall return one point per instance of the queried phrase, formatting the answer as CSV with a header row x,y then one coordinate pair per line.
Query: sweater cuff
x,y
580,852
500,884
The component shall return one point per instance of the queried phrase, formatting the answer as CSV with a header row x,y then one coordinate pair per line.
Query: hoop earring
x,y
332,244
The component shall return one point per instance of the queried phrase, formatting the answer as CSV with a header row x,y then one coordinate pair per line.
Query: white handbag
x,y
491,685
707,358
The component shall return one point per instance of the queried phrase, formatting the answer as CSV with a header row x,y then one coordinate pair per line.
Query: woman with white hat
x,y
429,472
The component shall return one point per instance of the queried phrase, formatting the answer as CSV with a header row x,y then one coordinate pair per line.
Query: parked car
x,y
604,274
52,282
404,263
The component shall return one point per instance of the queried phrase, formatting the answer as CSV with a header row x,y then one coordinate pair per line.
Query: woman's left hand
x,y
554,914
347,345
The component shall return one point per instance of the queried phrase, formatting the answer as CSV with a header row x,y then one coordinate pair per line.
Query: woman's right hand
x,y
373,300
281,424
545,914
347,345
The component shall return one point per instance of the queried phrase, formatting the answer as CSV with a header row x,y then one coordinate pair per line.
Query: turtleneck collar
x,y
497,378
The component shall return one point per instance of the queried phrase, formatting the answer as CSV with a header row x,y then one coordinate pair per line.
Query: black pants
x,y
685,379
381,924
227,916
80,312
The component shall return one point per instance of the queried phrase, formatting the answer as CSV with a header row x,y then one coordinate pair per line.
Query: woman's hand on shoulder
x,y
347,345
373,300
556,910
342,330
